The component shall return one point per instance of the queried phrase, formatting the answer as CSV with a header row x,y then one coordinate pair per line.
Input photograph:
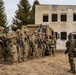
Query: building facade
x,y
62,18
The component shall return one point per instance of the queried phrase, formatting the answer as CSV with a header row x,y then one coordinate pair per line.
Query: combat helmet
x,y
1,29
18,31
11,34
25,30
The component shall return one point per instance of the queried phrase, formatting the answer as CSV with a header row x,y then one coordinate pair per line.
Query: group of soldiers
x,y
17,47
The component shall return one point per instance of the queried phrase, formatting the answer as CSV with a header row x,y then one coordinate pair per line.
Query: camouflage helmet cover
x,y
25,30
11,34
18,30
1,28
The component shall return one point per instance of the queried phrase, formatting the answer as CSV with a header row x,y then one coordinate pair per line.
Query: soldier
x,y
43,44
53,45
35,50
43,51
26,35
12,50
3,44
32,47
20,46
26,44
47,50
26,50
40,45
70,44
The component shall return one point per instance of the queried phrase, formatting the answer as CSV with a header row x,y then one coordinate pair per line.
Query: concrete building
x,y
62,18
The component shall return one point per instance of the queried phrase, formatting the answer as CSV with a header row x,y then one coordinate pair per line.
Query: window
x,y
74,17
54,17
63,35
45,18
74,36
63,17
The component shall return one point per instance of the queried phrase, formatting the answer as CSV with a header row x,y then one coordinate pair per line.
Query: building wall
x,y
59,26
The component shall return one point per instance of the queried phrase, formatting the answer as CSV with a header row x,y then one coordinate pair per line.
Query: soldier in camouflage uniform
x,y
35,42
47,49
26,44
43,44
43,51
53,45
12,50
40,45
1,44
25,35
50,50
35,50
20,46
70,44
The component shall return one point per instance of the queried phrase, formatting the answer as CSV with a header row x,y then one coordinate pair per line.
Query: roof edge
x,y
56,4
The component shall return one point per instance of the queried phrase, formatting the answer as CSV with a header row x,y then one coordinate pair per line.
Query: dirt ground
x,y
48,65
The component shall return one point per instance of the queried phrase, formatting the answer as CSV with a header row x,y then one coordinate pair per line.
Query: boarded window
x,y
54,17
74,17
63,17
45,18
63,35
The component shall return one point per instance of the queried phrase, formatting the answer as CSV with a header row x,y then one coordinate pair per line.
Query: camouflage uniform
x,y
35,51
70,44
20,46
47,48
43,49
26,44
1,44
53,45
12,49
26,50
50,50
31,47
36,43
40,46
25,36
0,51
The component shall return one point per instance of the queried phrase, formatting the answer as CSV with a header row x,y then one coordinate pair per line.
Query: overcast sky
x,y
11,6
